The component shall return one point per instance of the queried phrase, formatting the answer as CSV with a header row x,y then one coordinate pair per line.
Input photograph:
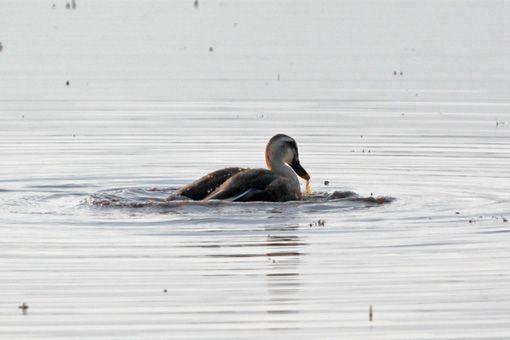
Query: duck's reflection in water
x,y
261,269
283,278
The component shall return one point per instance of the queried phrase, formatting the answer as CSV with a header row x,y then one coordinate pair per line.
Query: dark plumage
x,y
255,185
202,187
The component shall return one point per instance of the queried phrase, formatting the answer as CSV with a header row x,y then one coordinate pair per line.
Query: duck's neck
x,y
282,169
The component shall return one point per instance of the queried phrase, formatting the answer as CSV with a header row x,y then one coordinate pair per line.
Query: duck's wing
x,y
199,189
252,195
247,185
278,190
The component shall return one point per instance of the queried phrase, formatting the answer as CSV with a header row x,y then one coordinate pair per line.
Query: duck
x,y
278,183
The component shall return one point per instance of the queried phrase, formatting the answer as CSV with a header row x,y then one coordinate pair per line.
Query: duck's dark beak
x,y
296,166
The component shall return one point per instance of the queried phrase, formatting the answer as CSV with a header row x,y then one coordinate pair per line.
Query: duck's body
x,y
256,185
278,183
204,186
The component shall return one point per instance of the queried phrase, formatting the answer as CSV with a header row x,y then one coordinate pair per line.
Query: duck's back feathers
x,y
202,187
255,185
236,185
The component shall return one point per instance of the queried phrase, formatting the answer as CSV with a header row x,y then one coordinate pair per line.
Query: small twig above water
x,y
319,223
24,307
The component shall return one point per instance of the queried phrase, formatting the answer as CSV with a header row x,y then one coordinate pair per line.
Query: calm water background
x,y
149,106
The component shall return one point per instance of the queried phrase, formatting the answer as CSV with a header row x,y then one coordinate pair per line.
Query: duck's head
x,y
283,149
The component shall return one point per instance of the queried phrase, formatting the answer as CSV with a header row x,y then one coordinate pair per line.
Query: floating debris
x,y
73,4
165,291
67,83
370,314
210,49
24,307
326,183
319,223
482,218
68,5
195,4
1,47
278,77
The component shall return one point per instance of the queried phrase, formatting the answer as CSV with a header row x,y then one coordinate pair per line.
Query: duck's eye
x,y
292,145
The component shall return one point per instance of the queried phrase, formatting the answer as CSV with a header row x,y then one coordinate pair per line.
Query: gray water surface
x,y
432,262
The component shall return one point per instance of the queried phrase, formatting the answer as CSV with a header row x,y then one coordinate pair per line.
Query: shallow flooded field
x,y
92,245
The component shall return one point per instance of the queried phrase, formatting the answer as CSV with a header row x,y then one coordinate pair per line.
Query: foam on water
x,y
167,198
